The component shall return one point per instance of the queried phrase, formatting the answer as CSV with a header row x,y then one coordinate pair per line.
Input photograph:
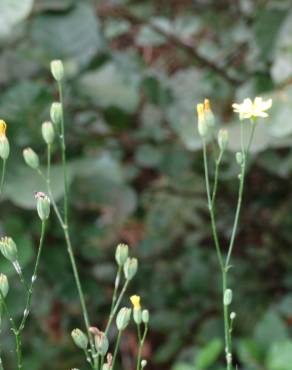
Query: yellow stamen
x,y
3,127
135,299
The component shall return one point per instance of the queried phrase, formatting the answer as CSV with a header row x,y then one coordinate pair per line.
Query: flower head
x,y
135,299
251,110
3,127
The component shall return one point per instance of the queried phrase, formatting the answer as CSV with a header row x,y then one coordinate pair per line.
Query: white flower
x,y
249,109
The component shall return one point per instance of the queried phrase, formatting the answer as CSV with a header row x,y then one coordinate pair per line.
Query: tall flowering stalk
x,y
92,341
206,122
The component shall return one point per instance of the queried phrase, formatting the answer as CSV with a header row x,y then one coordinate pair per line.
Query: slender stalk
x,y
63,151
14,330
218,162
237,212
116,306
64,223
116,349
141,345
2,175
34,276
210,207
117,284
218,250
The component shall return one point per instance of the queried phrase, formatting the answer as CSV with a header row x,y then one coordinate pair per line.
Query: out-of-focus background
x,y
134,72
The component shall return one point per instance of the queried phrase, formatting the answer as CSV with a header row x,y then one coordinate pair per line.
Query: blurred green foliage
x,y
135,70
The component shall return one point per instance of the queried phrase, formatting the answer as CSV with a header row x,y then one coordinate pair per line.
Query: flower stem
x,y
2,175
116,349
34,276
141,345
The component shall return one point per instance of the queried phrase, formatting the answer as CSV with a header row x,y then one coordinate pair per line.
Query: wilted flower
x,y
251,110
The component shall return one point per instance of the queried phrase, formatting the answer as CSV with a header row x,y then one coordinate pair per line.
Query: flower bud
x,y
48,132
4,286
209,116
232,315
239,158
31,158
202,125
143,364
79,338
4,143
227,297
137,315
57,69
145,316
43,205
123,318
122,253
223,139
130,268
8,249
101,343
56,113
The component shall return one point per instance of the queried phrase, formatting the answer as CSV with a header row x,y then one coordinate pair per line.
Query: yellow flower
x,y
249,109
202,125
2,128
135,299
207,105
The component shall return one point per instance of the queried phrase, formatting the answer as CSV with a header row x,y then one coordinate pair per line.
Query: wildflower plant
x,y
247,110
91,340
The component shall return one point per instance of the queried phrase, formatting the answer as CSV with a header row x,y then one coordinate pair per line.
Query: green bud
x,y
123,318
4,147
57,69
31,158
145,316
122,253
239,158
137,315
43,205
48,132
8,249
143,364
79,338
130,268
101,343
227,297
4,286
223,139
56,112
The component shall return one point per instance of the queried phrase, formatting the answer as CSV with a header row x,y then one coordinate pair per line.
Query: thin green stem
x,y
2,175
14,330
116,348
33,278
63,151
218,250
218,162
112,314
237,213
211,210
64,222
141,345
117,284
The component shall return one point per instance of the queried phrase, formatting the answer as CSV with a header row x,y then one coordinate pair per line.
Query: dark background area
x,y
134,73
